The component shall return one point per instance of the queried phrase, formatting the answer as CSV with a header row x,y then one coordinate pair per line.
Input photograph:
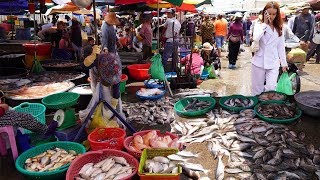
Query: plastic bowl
x,y
284,96
139,72
237,109
97,156
55,174
282,121
152,98
128,141
180,105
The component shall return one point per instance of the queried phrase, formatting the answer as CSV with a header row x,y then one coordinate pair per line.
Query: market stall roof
x,y
15,7
64,8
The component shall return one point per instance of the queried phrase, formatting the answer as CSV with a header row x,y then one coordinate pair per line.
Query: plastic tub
x,y
152,98
97,156
114,136
43,52
139,72
55,174
128,141
237,109
37,110
151,153
180,105
123,83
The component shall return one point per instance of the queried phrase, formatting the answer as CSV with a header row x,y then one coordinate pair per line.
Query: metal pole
x,y
158,34
95,20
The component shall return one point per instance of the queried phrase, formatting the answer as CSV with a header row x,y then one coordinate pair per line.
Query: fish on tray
x,y
149,92
109,168
195,104
239,102
277,111
160,164
50,160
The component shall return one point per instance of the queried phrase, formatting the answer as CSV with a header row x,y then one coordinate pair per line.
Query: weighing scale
x,y
63,102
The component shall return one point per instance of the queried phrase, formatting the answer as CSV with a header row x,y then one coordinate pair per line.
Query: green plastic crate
x,y
237,109
150,153
37,110
56,174
278,121
179,106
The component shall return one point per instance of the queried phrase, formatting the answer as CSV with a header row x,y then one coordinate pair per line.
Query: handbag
x,y
234,38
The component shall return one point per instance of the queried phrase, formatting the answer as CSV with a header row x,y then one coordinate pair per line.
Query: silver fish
x,y
161,159
187,154
175,157
232,171
220,168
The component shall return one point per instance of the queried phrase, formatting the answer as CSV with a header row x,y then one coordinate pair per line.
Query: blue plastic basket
x,y
151,83
170,75
37,110
152,98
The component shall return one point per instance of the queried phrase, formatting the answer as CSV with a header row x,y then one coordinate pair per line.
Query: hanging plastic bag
x,y
284,84
156,70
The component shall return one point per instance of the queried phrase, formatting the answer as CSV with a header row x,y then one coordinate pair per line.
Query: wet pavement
x,y
236,81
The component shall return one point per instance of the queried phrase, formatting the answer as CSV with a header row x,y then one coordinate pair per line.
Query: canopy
x,y
13,7
65,8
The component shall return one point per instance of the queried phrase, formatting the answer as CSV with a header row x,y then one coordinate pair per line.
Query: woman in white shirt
x,y
271,53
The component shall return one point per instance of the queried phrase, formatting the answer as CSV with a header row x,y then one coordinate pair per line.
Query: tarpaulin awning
x,y
65,8
174,2
13,7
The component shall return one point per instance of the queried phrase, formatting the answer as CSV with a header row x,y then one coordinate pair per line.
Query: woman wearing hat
x,y
109,38
210,56
271,54
235,37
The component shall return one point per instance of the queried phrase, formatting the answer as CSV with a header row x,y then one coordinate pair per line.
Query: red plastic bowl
x,y
128,141
97,156
139,72
124,77
116,136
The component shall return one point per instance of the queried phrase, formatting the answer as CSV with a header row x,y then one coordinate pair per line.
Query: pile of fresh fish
x,y
161,165
247,113
152,140
150,112
239,102
110,168
267,96
50,160
160,111
277,111
195,104
149,92
254,149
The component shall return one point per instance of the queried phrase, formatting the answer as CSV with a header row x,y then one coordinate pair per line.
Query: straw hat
x,y
112,19
207,46
305,6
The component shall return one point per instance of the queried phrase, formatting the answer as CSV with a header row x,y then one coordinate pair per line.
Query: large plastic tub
x,y
43,52
139,72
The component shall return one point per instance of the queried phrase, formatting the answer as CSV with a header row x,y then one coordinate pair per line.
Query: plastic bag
x,y
156,70
210,69
284,84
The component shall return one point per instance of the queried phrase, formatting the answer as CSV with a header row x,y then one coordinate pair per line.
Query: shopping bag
x,y
210,69
284,84
156,70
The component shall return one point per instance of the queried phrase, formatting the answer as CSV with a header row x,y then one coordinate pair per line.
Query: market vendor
x,y
210,57
53,34
196,61
13,118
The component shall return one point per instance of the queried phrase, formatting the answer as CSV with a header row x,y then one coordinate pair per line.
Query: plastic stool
x,y
12,140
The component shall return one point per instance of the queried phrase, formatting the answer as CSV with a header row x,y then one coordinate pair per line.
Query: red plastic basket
x,y
116,136
97,156
128,141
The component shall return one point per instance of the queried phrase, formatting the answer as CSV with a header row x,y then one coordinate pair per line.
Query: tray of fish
x,y
155,164
237,103
249,148
104,164
247,113
194,106
278,111
49,160
272,95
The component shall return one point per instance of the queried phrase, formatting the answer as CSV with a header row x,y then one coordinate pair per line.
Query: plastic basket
x,y
284,98
151,153
97,156
278,121
115,135
237,109
37,110
152,98
61,100
55,174
179,106
128,141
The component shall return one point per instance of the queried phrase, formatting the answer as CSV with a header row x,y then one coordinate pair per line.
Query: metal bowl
x,y
309,102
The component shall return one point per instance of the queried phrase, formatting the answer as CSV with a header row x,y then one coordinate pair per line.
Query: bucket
x,y
43,52
123,83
